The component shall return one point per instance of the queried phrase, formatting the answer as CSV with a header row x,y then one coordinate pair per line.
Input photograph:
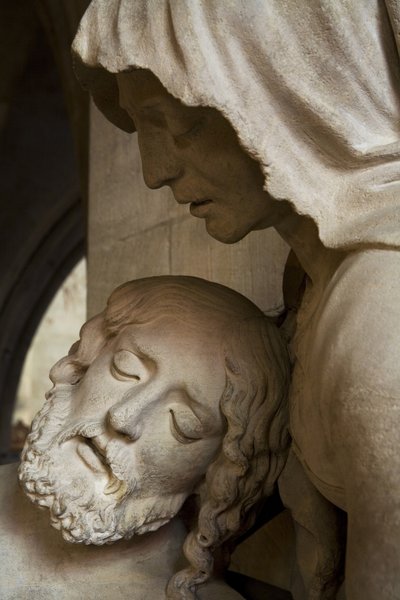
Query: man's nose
x,y
126,417
160,163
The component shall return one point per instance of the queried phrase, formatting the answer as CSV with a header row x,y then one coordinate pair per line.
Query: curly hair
x,y
254,403
253,452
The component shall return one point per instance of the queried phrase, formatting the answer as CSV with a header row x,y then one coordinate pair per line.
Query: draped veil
x,y
310,86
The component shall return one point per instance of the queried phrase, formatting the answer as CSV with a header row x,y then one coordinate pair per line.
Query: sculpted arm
x,y
360,383
368,431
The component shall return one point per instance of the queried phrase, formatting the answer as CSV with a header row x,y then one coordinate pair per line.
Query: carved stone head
x,y
177,388
323,137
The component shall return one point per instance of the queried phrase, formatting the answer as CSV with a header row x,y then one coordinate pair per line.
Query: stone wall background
x,y
57,331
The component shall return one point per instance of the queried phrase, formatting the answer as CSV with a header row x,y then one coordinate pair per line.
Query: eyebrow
x,y
132,345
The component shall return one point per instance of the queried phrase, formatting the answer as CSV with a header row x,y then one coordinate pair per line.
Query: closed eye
x,y
191,132
119,374
181,432
128,366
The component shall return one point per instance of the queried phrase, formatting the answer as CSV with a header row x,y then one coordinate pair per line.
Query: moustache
x,y
99,454
85,429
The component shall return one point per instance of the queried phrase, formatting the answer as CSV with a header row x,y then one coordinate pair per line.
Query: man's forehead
x,y
137,338
166,334
145,336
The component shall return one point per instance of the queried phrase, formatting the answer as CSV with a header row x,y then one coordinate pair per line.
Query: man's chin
x,y
87,507
223,233
136,518
88,516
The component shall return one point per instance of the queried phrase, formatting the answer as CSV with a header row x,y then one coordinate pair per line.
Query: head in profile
x,y
178,388
241,108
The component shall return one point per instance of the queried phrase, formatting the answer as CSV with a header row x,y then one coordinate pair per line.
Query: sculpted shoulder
x,y
357,325
349,381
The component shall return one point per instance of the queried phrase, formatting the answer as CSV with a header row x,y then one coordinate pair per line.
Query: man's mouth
x,y
199,208
95,457
90,456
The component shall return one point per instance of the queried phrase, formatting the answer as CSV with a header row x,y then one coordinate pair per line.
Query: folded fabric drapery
x,y
310,86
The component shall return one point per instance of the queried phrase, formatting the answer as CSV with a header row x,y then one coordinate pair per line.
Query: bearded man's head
x,y
179,387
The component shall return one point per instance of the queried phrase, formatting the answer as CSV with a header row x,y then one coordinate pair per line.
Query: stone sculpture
x,y
178,389
286,114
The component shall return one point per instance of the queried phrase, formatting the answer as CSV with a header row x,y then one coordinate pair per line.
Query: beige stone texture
x,y
302,98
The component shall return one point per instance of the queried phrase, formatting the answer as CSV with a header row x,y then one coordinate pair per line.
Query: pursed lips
x,y
198,208
194,202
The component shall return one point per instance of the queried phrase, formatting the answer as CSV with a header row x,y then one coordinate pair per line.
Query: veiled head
x,y
196,152
312,99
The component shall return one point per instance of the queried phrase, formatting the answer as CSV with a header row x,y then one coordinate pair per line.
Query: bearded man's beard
x,y
90,508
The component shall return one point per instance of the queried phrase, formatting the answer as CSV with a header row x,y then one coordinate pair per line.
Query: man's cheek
x,y
175,467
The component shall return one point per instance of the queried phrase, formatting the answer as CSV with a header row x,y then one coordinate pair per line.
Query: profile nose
x,y
160,164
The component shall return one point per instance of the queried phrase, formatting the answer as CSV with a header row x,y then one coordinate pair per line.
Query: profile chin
x,y
224,236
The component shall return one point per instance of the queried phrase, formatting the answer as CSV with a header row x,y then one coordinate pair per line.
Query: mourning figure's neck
x,y
318,261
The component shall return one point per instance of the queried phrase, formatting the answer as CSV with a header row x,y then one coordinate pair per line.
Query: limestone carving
x,y
286,114
177,389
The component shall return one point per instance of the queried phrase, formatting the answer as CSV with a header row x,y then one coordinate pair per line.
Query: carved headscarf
x,y
310,86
